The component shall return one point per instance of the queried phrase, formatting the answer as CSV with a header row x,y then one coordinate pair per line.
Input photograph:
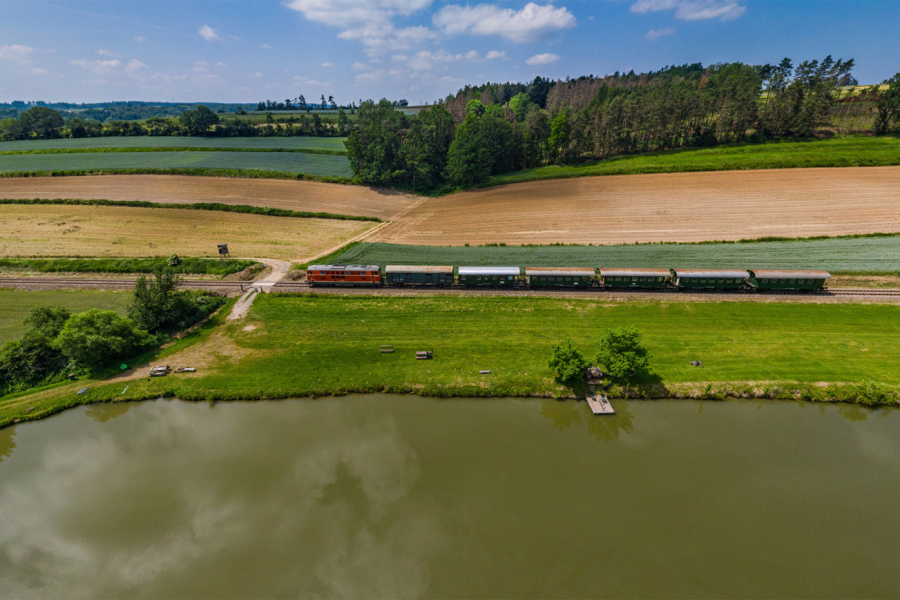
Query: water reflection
x,y
331,491
108,410
7,445
606,428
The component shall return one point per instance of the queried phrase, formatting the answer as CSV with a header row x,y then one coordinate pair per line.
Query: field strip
x,y
358,238
167,189
677,207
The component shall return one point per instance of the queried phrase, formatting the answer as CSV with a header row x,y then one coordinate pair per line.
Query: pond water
x,y
401,496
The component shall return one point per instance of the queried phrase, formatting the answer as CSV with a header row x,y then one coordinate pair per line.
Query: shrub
x,y
97,338
567,362
623,354
33,359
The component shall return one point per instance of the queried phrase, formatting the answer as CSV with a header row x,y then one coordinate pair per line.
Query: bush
x,y
870,394
33,359
158,307
623,354
98,338
567,362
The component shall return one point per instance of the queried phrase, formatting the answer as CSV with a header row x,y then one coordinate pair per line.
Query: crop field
x,y
109,231
15,305
677,207
287,162
876,254
840,152
291,143
178,189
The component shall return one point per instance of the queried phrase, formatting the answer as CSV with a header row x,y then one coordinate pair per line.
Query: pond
x,y
402,496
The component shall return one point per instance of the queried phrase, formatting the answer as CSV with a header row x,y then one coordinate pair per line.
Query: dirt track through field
x,y
678,207
291,195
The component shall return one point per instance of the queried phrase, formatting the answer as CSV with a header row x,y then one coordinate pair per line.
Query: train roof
x,y
417,269
789,274
489,271
712,273
634,272
343,268
560,271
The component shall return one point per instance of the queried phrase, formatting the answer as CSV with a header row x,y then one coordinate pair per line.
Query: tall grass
x,y
193,266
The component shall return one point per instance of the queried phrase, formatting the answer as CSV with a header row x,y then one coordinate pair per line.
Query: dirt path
x,y
279,269
166,189
677,207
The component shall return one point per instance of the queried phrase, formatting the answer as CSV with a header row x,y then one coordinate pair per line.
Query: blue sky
x,y
245,51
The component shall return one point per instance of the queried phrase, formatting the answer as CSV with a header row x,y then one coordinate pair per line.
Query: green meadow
x,y
312,345
835,152
16,304
280,143
284,162
878,254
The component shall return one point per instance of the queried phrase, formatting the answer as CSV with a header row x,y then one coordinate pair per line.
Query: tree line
x,y
497,128
41,122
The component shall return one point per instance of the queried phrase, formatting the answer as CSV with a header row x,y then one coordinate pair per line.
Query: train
x,y
566,278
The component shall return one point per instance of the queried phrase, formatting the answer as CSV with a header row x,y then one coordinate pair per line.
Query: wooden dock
x,y
599,404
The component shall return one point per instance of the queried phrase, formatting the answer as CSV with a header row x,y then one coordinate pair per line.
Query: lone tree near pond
x,y
623,354
568,362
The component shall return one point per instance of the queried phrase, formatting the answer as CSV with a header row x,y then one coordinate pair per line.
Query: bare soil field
x,y
677,207
43,230
291,195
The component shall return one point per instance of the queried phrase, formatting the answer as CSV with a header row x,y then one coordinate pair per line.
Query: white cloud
x,y
267,47
140,39
108,53
16,53
37,71
220,64
425,60
358,66
693,10
257,74
95,81
495,54
369,21
134,65
542,59
209,34
200,66
655,34
531,23
97,66
301,80
326,64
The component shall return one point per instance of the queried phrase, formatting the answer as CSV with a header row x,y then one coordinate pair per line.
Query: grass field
x,y
111,231
191,266
285,162
839,152
289,143
317,345
875,254
15,305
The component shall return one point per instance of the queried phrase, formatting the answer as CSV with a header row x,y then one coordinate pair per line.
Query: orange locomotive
x,y
344,275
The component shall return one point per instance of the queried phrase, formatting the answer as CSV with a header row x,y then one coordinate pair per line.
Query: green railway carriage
x,y
634,278
780,279
709,279
560,277
489,276
417,275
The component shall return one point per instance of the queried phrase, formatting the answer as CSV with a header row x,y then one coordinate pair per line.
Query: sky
x,y
419,50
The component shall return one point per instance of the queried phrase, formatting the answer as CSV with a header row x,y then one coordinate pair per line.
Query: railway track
x,y
37,283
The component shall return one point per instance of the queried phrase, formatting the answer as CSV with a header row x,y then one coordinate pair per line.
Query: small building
x,y
500,276
414,275
560,277
634,278
343,274
782,279
720,279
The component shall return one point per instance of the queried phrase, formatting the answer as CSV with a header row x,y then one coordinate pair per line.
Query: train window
x,y
721,281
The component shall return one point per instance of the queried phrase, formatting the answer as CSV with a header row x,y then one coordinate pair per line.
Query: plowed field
x,y
291,195
678,207
29,230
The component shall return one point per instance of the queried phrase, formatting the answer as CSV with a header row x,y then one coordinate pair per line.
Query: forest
x,y
498,128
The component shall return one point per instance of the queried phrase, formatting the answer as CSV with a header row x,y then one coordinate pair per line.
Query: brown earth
x,y
166,189
677,207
